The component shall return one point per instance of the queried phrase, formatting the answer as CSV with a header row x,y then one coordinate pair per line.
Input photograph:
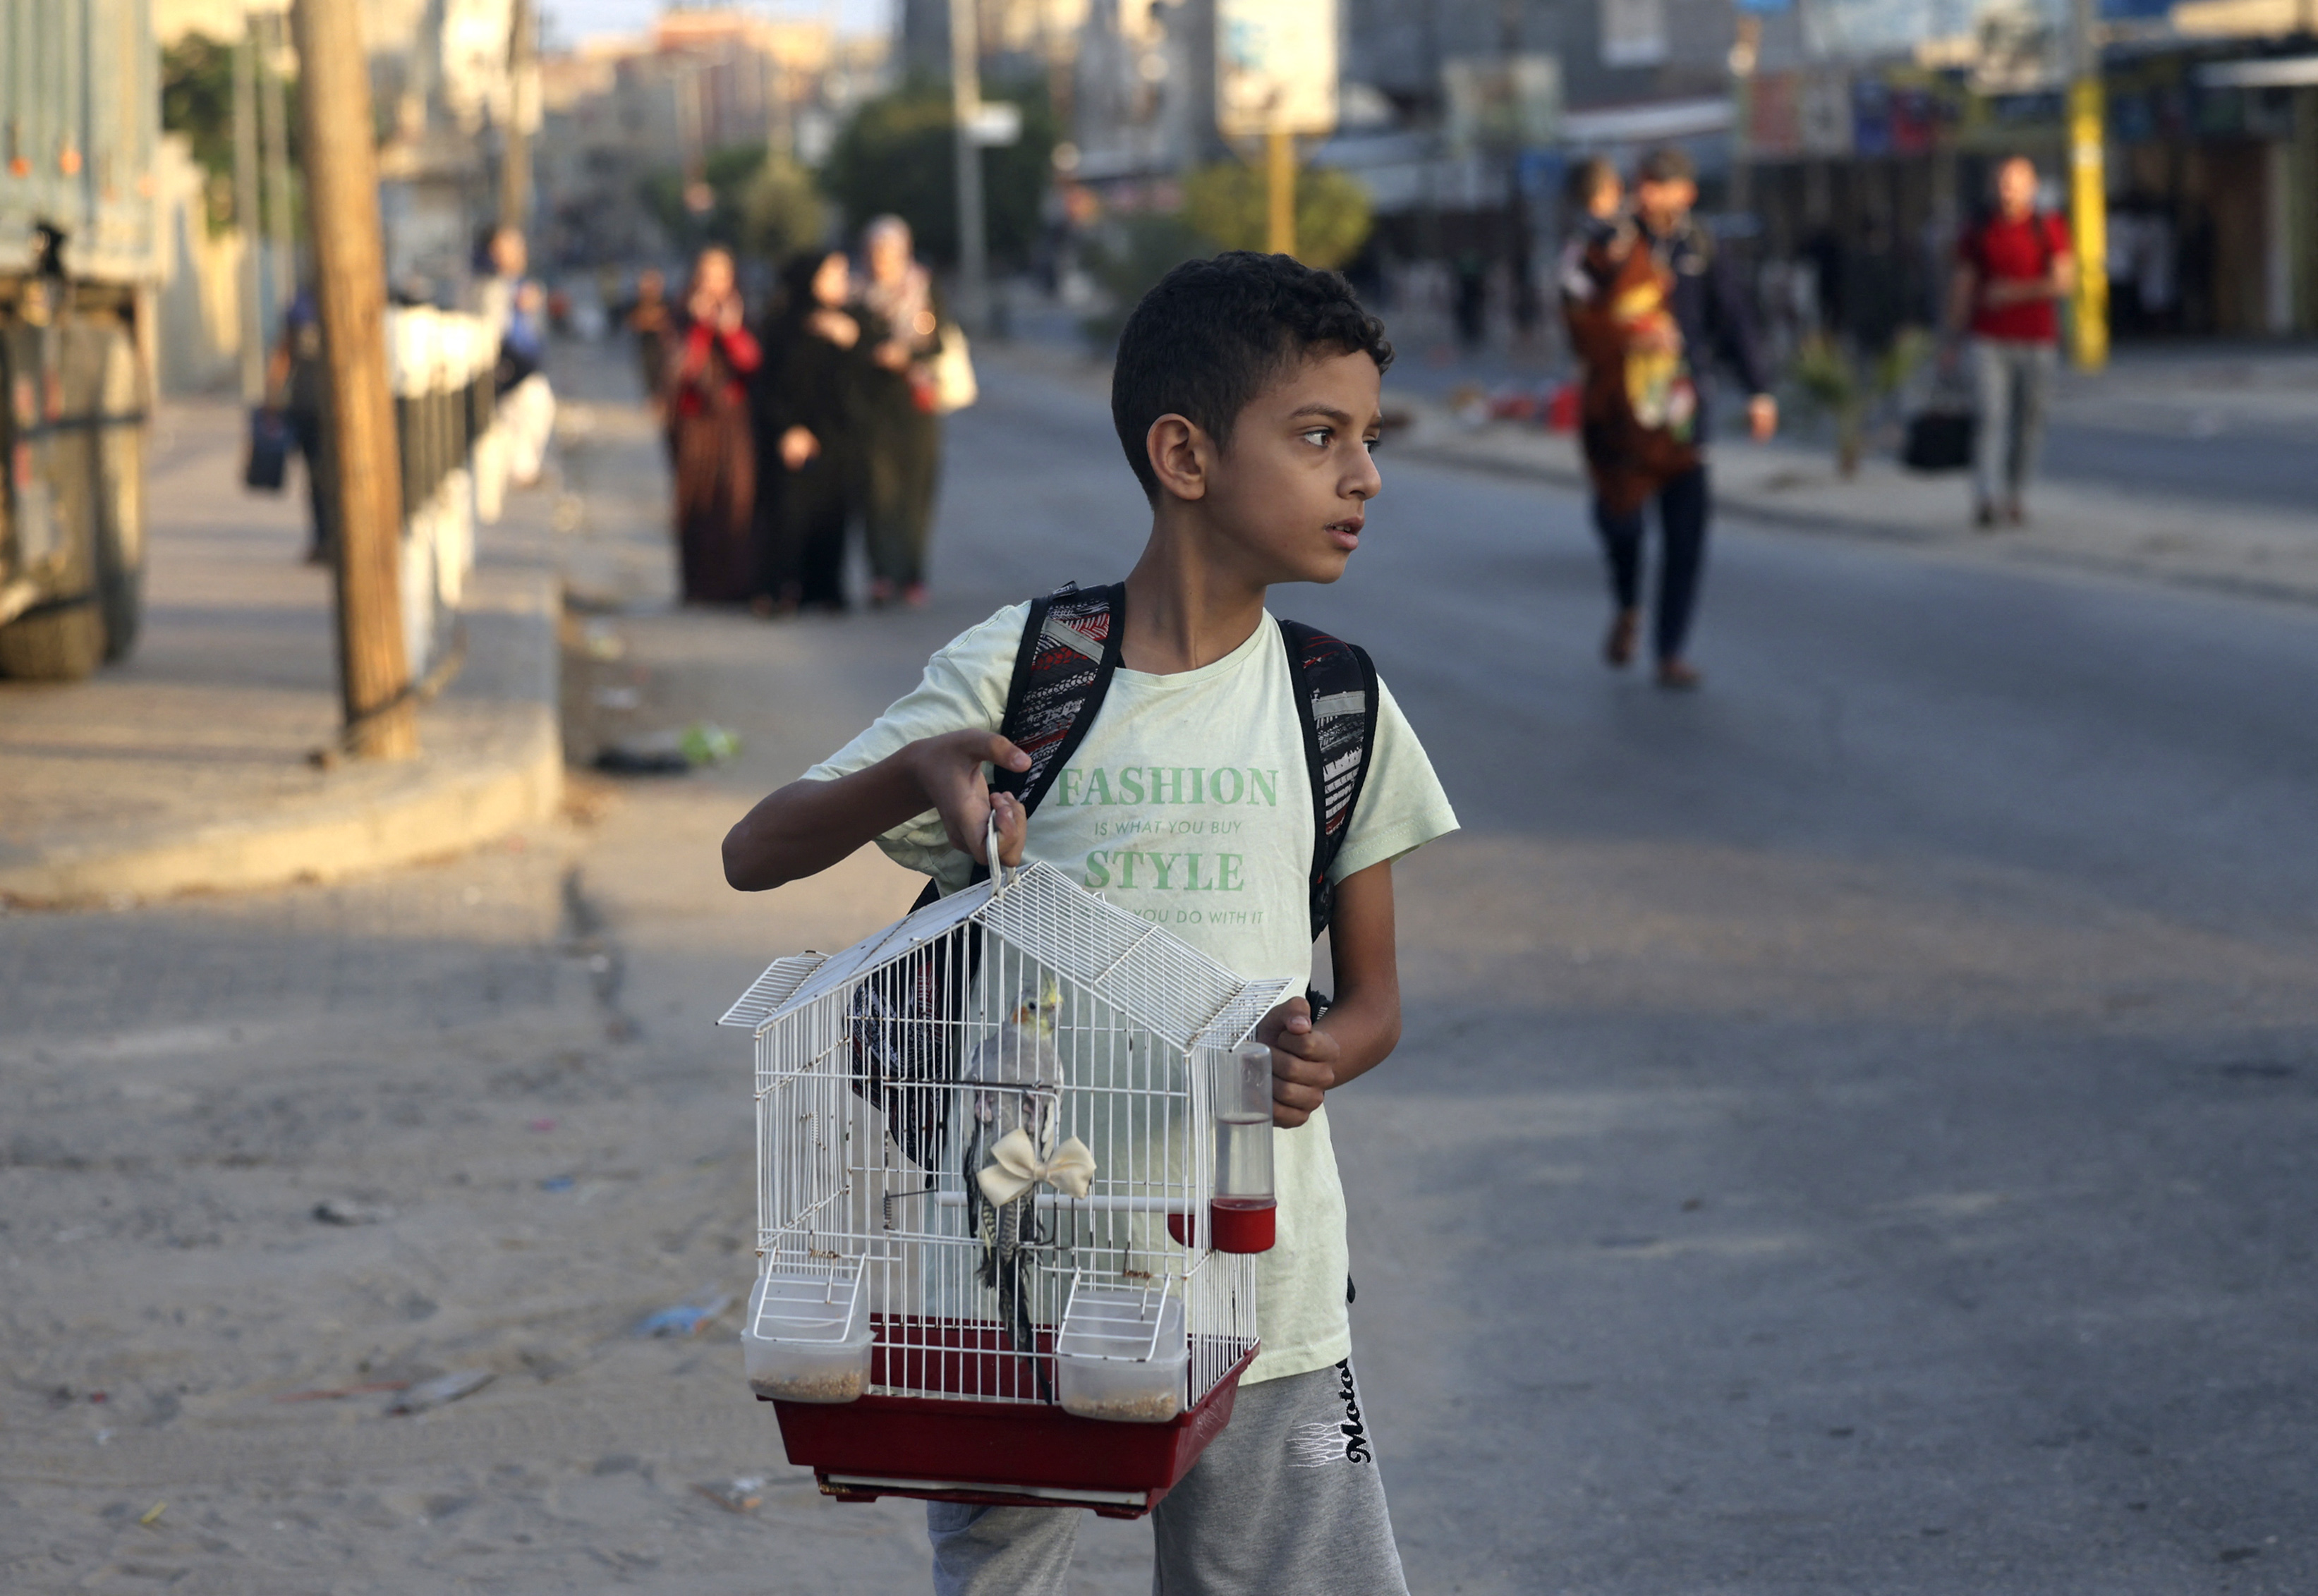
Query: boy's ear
x,y
1180,456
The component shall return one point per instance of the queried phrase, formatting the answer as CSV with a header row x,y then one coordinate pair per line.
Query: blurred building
x,y
1871,142
1143,94
628,116
445,93
1022,41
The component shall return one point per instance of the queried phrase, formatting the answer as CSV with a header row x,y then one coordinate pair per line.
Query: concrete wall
x,y
198,308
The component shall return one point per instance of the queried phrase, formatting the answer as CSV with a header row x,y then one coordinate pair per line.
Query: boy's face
x,y
1291,490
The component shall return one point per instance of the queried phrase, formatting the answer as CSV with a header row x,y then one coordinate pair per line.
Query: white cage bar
x,y
888,1075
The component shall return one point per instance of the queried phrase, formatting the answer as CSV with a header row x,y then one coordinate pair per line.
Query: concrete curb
x,y
492,761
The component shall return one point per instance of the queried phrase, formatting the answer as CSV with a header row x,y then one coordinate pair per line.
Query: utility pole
x,y
1745,51
515,150
350,292
273,116
1280,191
965,103
245,216
2088,193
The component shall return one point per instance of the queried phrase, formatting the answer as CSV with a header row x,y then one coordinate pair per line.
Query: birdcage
x,y
991,1267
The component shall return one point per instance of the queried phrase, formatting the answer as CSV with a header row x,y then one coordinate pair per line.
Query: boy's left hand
x,y
1303,1062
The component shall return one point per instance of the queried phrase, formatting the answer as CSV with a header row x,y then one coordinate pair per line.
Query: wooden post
x,y
1280,191
350,290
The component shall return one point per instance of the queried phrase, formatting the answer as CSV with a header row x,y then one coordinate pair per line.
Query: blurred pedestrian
x,y
1473,301
809,430
710,438
2013,266
650,321
515,306
1665,301
297,386
902,318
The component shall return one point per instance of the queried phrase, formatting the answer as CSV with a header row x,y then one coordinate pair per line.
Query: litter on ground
x,y
441,1390
685,1318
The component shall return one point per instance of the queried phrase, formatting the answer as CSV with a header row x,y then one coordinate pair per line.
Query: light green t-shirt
x,y
1188,803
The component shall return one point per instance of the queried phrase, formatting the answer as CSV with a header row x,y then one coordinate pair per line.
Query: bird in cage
x,y
905,1045
1011,1078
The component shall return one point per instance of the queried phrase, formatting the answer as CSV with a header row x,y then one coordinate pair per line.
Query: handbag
x,y
1940,435
953,385
1939,439
268,464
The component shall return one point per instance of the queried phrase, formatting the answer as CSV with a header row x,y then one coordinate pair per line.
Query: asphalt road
x,y
1854,1131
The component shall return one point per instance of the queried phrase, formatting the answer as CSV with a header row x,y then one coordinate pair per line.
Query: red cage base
x,y
997,1453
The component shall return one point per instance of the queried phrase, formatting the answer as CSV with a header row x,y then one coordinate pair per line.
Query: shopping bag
x,y
1939,439
267,463
953,385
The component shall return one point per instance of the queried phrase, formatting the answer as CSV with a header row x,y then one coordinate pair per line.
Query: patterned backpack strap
x,y
1068,654
1336,702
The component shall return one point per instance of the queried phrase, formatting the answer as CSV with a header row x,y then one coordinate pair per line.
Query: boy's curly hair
x,y
1215,333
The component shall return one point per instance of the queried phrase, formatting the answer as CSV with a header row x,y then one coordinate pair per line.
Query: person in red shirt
x,y
2012,270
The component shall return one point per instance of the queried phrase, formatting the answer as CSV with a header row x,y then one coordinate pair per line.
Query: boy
x,y
1246,397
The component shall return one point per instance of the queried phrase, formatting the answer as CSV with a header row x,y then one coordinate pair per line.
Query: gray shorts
x,y
1286,1500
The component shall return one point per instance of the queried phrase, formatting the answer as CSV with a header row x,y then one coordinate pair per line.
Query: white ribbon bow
x,y
1015,1167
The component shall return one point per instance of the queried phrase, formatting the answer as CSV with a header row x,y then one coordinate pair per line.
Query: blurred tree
x,y
1226,203
728,174
1128,256
895,156
781,212
197,101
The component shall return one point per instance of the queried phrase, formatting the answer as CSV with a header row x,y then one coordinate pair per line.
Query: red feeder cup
x,y
1244,1214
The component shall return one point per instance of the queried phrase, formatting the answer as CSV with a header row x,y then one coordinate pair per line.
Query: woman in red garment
x,y
710,439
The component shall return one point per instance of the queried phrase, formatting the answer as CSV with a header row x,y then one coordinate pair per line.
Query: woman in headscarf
x,y
809,424
710,438
903,324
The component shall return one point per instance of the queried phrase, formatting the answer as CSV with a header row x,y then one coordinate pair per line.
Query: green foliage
x,y
1824,371
1127,258
1230,203
1911,347
1832,383
897,154
1829,380
781,212
197,101
730,173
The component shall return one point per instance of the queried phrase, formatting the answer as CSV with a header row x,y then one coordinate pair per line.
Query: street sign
x,y
1509,101
1275,67
995,123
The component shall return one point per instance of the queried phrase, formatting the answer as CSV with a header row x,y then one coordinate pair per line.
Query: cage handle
x,y
990,846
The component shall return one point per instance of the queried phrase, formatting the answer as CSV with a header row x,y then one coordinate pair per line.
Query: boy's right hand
x,y
948,770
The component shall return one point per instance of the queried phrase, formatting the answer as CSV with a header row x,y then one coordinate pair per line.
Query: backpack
x,y
1068,655
1069,652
